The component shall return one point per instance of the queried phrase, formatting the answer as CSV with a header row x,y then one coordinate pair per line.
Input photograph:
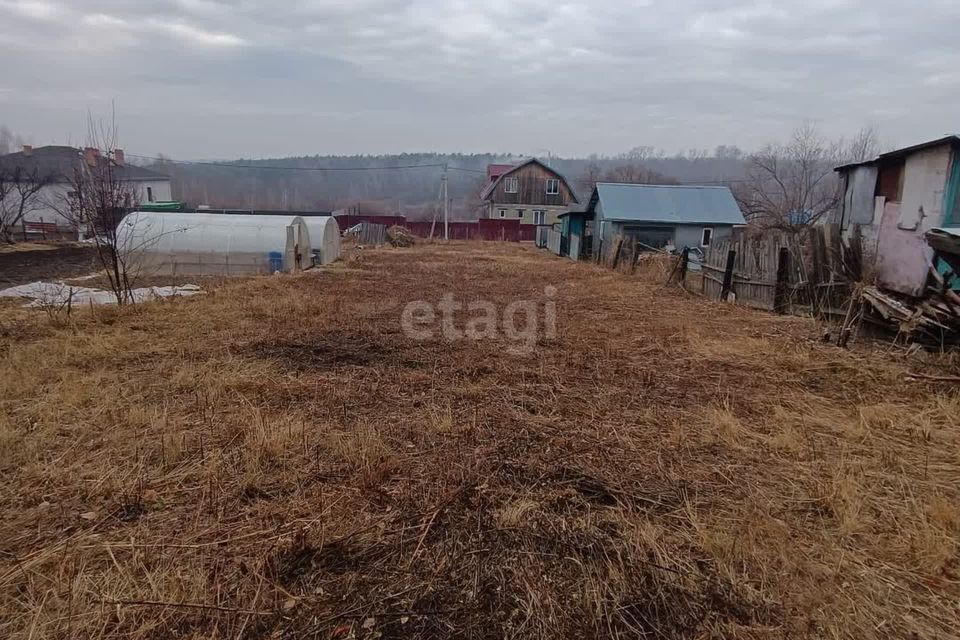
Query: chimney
x,y
27,150
118,158
90,155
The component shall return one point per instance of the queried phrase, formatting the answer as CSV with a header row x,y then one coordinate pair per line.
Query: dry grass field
x,y
277,459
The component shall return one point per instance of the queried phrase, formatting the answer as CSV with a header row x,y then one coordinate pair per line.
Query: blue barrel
x,y
276,261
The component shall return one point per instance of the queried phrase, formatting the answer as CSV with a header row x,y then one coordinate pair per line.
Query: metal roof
x,y
905,151
677,204
576,208
59,162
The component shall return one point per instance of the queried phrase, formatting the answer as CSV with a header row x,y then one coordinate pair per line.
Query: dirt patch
x,y
54,263
332,350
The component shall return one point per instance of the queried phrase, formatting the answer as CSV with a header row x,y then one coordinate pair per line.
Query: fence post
x,y
816,275
783,274
617,248
684,262
728,275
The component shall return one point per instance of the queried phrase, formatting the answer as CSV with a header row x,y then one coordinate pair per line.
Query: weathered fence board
x,y
368,233
809,271
554,241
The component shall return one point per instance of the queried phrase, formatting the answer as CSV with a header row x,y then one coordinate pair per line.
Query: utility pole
x,y
436,211
446,206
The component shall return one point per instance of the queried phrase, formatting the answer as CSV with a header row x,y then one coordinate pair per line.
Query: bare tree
x,y
728,152
99,197
794,184
20,189
591,176
643,153
625,173
791,184
863,146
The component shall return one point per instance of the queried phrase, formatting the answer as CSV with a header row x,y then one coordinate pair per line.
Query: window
x,y
520,212
149,194
553,186
503,213
511,185
539,215
706,237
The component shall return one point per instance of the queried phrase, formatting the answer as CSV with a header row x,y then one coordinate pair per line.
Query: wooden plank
x,y
617,246
780,288
728,274
742,280
684,263
710,267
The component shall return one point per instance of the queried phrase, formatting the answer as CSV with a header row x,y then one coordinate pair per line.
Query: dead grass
x,y
276,459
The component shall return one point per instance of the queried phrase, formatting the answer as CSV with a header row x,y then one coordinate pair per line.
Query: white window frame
x,y
511,184
520,213
539,216
555,183
704,241
149,194
503,213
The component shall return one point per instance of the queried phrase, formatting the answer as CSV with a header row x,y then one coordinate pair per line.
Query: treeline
x,y
409,183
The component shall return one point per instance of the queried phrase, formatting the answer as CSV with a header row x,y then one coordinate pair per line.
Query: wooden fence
x,y
806,272
368,233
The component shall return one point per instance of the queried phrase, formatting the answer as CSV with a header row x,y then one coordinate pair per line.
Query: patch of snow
x,y
58,294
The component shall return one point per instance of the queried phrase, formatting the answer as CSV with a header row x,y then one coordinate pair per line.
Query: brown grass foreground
x,y
276,459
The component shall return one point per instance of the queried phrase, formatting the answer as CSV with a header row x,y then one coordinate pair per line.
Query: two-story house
x,y
530,192
56,167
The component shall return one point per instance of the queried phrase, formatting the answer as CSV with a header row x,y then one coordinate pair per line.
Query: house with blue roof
x,y
657,216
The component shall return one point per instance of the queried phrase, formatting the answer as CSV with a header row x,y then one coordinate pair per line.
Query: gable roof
x,y
60,161
953,140
676,204
490,187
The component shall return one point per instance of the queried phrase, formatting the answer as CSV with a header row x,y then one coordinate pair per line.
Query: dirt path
x,y
281,458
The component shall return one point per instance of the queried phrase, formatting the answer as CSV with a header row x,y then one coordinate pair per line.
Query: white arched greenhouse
x,y
324,237
165,243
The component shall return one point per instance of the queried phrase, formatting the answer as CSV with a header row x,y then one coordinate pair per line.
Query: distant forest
x,y
781,185
369,184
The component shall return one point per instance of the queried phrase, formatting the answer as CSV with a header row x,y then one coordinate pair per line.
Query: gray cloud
x,y
211,78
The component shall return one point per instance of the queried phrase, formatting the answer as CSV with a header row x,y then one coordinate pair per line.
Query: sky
x,y
222,79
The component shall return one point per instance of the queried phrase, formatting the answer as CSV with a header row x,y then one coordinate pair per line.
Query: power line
x,y
233,165
695,181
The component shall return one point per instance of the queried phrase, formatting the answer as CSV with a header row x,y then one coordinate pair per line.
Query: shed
x,y
164,243
895,199
576,228
662,215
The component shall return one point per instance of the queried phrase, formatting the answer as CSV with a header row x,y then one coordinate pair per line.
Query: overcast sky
x,y
217,79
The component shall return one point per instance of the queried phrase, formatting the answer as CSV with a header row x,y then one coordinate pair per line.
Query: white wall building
x,y
58,164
